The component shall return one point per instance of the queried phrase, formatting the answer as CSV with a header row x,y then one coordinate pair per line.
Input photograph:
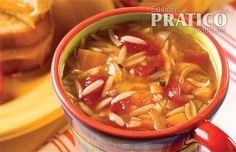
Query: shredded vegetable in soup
x,y
137,77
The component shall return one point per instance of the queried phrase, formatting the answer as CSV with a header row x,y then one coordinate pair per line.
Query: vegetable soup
x,y
137,77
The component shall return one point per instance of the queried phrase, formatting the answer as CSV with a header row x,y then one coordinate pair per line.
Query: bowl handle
x,y
213,138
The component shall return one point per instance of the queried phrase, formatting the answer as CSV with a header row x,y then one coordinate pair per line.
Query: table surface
x,y
224,118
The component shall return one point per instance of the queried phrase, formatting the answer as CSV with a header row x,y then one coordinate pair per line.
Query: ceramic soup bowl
x,y
92,135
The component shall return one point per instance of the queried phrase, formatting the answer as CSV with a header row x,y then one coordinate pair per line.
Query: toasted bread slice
x,y
26,58
26,10
21,46
14,33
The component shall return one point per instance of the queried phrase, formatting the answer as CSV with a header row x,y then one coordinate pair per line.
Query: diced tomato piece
x,y
197,57
143,71
134,48
88,80
151,47
91,98
155,63
173,91
88,101
121,107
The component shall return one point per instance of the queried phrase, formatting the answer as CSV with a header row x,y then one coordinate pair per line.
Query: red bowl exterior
x,y
185,127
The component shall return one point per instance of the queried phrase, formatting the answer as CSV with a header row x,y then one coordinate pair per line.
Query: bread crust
x,y
37,55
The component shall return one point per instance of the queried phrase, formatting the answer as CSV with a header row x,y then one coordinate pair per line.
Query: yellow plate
x,y
34,105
